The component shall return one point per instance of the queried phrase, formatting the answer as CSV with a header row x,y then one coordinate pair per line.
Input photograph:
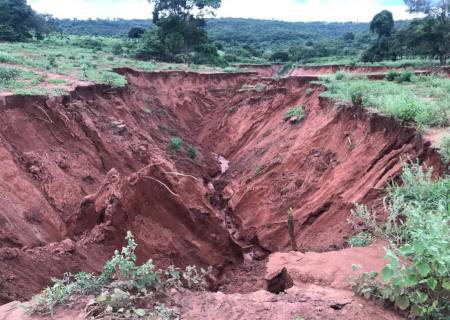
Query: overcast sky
x,y
289,10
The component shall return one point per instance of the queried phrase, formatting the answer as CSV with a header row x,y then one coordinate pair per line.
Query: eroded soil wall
x,y
79,171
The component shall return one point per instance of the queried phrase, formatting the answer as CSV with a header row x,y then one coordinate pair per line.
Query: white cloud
x,y
309,10
84,9
289,10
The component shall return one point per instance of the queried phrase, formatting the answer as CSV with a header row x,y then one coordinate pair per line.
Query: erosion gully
x,y
78,171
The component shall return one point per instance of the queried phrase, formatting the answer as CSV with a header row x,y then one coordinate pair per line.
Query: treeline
x,y
101,27
242,40
179,32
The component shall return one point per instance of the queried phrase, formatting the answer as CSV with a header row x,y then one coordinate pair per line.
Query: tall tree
x,y
181,26
382,24
431,34
18,21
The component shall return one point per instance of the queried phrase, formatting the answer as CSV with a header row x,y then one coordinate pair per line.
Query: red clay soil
x,y
262,70
78,171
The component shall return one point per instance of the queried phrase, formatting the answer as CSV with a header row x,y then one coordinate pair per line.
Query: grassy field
x,y
423,99
54,65
354,61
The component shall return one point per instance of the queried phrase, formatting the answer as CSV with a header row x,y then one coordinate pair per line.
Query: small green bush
x,y
175,144
392,75
113,79
8,74
117,49
405,76
295,112
417,277
362,239
357,97
192,152
340,75
444,148
121,283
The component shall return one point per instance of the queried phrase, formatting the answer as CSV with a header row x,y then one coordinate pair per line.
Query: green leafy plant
x,y
175,144
192,152
121,283
444,147
295,112
8,74
362,239
417,277
392,75
405,76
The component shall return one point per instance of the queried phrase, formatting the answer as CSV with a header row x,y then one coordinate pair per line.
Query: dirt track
x,y
78,171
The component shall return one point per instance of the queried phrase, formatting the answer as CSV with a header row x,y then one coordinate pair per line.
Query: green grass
x,y
444,148
424,99
354,61
79,57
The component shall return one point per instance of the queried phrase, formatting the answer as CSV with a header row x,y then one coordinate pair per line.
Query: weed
x,y
56,81
298,112
121,283
244,87
232,110
444,148
405,76
362,239
113,79
419,216
175,144
309,92
146,110
392,75
259,87
424,101
340,75
192,152
8,74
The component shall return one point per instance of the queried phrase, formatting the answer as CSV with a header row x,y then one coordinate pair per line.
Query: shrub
x,y
362,239
294,112
117,49
8,74
405,76
340,75
121,283
192,152
417,278
357,97
444,148
175,144
309,92
113,79
392,75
